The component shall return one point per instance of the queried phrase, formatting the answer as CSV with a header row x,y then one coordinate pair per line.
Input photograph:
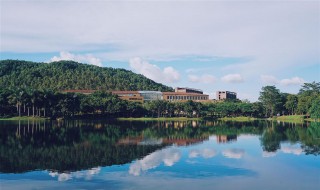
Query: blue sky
x,y
211,45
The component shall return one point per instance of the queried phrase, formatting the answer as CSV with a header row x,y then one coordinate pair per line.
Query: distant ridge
x,y
69,75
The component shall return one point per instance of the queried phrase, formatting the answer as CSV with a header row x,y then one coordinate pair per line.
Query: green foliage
x,y
308,93
33,89
291,103
271,99
63,75
315,109
310,88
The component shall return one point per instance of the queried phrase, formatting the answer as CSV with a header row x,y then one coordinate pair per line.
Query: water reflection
x,y
168,156
267,154
233,153
63,147
292,150
87,175
205,153
226,138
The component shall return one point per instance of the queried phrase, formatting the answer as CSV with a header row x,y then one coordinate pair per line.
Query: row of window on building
x,y
180,94
187,98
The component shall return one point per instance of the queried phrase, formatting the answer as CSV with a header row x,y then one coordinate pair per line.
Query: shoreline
x,y
289,118
159,119
22,118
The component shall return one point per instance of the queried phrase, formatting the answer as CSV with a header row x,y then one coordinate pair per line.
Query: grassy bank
x,y
291,118
294,118
22,118
237,118
159,119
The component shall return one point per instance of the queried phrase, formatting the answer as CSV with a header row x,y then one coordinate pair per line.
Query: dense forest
x,y
65,75
25,91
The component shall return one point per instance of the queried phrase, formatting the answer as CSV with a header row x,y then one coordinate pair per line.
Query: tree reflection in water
x,y
75,145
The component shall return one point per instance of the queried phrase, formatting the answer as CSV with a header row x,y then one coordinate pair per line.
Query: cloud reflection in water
x,y
168,156
233,153
87,175
205,153
292,150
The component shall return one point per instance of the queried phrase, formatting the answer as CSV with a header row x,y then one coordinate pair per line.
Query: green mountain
x,y
66,75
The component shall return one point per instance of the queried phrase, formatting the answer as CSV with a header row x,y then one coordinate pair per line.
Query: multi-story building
x,y
151,95
180,94
226,95
185,94
139,96
133,96
188,90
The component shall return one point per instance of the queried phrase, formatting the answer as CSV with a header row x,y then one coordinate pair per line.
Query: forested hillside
x,y
64,75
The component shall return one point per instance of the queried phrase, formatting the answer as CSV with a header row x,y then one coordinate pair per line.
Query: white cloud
x,y
88,58
292,150
205,153
232,78
276,38
205,78
233,153
292,81
168,156
153,72
255,37
269,79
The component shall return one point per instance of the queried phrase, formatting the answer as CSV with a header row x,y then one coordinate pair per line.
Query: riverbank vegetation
x,y
23,102
241,119
35,90
158,119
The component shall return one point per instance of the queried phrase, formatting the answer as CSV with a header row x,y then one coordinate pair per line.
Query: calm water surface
x,y
159,155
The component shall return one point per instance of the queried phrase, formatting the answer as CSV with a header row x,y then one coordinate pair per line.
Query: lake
x,y
159,155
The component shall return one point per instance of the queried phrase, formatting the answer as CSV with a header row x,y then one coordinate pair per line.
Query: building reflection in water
x,y
226,138
179,141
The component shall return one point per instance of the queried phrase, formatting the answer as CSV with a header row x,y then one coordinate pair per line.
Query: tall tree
x,y
271,99
292,103
310,88
307,94
315,109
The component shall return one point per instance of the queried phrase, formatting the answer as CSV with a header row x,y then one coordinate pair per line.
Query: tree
x,y
292,103
156,107
315,109
245,109
170,108
258,109
64,75
271,99
310,88
189,107
307,93
211,109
